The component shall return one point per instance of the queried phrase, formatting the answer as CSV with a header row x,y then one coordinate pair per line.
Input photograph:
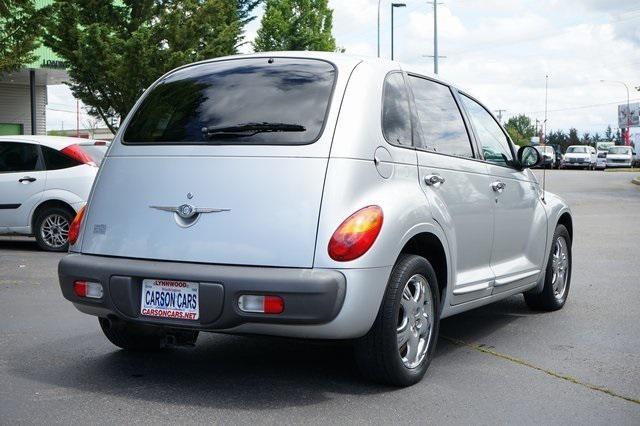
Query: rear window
x,y
256,101
96,152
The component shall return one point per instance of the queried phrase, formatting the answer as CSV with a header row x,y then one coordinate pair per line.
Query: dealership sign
x,y
629,115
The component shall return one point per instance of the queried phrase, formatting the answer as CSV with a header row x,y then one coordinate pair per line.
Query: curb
x,y
636,180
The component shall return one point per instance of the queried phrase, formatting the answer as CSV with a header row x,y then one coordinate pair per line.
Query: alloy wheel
x,y
415,321
560,267
55,230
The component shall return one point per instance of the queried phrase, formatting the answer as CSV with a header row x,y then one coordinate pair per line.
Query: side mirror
x,y
529,157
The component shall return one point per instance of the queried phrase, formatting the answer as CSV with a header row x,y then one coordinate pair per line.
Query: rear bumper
x,y
311,296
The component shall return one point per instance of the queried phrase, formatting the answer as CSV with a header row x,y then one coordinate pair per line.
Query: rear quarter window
x,y
55,160
254,101
396,115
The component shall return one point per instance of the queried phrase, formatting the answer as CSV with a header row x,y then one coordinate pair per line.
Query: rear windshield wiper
x,y
250,129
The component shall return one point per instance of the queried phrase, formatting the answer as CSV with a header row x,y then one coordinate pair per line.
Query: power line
x,y
66,110
580,107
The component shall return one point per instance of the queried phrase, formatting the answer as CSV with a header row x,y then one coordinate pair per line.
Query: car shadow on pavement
x,y
475,325
244,372
19,244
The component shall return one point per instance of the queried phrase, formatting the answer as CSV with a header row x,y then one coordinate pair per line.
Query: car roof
x,y
55,142
340,60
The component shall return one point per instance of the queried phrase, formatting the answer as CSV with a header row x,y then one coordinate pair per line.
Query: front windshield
x,y
577,149
545,149
619,150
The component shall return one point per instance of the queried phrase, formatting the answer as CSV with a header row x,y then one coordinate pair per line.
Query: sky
x,y
499,51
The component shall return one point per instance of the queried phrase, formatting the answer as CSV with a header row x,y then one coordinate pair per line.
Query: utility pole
x,y
379,27
393,6
435,36
500,111
546,97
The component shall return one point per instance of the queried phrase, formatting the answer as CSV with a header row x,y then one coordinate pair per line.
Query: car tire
x,y
403,315
554,293
51,228
140,338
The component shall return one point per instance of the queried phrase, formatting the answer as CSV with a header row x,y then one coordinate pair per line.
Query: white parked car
x,y
44,181
312,195
601,160
548,156
620,156
580,156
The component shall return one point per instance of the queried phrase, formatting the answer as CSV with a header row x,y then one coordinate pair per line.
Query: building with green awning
x,y
23,94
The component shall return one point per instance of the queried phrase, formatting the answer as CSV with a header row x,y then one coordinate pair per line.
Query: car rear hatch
x,y
221,162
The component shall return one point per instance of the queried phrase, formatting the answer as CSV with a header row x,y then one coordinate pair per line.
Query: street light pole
x,y
628,129
393,6
379,1
435,37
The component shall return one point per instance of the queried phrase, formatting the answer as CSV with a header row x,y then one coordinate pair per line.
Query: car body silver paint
x,y
283,221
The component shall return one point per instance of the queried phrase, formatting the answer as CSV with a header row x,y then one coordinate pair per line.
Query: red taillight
x,y
88,289
260,304
273,305
356,234
77,153
74,228
80,288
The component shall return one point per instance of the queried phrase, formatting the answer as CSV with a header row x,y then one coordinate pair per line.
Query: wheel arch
x,y
430,246
48,204
566,220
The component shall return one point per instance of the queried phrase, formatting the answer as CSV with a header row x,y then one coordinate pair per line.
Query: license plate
x,y
170,299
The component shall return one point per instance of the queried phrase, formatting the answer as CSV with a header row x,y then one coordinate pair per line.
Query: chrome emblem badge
x,y
186,211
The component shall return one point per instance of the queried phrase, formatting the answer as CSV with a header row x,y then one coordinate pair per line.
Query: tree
x,y
558,139
597,137
114,50
296,25
608,134
617,138
520,129
20,29
586,138
573,137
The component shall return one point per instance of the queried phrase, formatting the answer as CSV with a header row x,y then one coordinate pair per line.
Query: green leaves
x,y
115,50
20,29
296,25
520,129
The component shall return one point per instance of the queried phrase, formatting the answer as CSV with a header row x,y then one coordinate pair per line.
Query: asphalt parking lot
x,y
499,364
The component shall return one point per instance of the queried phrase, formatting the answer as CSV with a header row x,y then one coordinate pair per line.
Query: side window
x,y
18,157
54,160
396,115
442,125
495,144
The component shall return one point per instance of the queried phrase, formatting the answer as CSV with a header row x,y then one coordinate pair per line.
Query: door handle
x,y
27,179
498,186
433,180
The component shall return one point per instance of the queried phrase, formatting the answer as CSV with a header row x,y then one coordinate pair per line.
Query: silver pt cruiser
x,y
312,195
